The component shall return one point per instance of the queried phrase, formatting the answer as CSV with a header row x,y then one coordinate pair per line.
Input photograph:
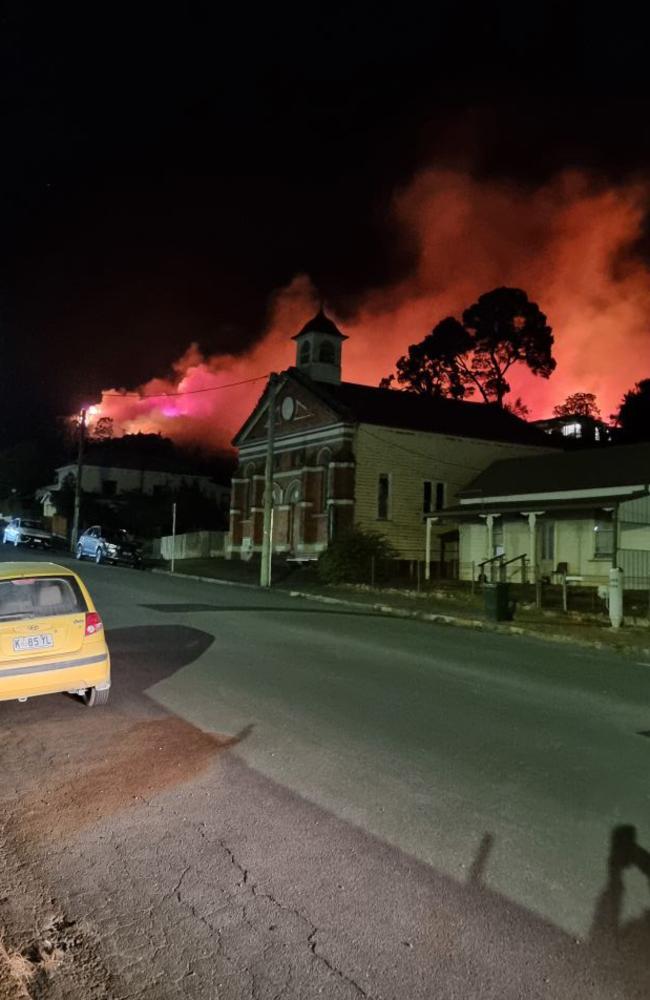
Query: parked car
x,y
51,636
27,531
112,545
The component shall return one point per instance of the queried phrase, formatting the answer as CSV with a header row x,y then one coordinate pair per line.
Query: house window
x,y
547,540
305,353
427,496
433,496
603,539
383,497
572,430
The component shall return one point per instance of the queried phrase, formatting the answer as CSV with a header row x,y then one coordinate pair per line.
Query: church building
x,y
347,454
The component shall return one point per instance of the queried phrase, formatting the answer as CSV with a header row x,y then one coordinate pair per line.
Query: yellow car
x,y
51,637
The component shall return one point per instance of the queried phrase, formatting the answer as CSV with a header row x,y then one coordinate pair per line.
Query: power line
x,y
420,454
187,392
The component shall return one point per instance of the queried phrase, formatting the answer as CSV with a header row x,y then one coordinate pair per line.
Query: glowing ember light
x,y
569,244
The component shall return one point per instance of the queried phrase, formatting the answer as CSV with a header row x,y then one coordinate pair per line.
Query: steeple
x,y
318,349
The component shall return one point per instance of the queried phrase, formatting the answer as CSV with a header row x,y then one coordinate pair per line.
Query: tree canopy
x,y
579,404
633,417
501,329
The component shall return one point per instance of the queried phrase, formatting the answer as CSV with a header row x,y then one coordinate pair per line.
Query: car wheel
x,y
92,697
99,556
79,552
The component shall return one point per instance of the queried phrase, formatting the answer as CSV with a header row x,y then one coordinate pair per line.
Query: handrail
x,y
502,562
515,558
486,562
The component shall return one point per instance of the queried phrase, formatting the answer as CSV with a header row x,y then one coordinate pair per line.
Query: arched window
x,y
249,472
327,354
293,493
305,353
323,459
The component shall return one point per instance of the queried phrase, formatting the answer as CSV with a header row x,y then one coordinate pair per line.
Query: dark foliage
x,y
355,557
633,417
580,404
501,329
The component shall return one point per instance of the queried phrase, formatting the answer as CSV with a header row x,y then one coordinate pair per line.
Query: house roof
x,y
592,469
410,411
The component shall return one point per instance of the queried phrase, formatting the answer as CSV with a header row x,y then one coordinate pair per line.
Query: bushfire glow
x,y
570,245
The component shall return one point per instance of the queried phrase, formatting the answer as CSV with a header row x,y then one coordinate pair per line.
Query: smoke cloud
x,y
571,245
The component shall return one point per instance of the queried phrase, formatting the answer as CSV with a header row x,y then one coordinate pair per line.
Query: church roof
x,y
320,323
411,411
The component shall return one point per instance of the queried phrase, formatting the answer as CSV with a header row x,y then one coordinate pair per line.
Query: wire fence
x,y
560,592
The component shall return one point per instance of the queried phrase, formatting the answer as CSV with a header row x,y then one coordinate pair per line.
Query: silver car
x,y
27,531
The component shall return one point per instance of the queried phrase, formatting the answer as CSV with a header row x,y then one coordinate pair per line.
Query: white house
x,y
112,480
577,513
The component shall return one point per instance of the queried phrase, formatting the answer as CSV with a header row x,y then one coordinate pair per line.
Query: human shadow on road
x,y
627,943
617,952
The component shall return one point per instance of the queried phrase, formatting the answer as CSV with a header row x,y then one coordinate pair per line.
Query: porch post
x,y
489,524
427,552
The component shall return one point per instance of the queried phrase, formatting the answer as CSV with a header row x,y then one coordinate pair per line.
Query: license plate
x,y
33,642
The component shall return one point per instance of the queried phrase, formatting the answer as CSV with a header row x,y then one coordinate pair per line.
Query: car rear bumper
x,y
48,677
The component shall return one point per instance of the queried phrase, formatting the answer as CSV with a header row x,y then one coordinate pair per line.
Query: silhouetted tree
x,y
103,429
633,417
507,329
456,359
519,408
436,366
580,404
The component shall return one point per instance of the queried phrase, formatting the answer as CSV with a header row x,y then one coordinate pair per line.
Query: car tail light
x,y
93,623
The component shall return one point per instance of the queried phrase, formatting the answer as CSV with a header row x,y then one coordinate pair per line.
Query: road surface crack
x,y
332,968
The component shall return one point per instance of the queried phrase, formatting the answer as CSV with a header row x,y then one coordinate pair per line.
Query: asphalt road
x,y
292,800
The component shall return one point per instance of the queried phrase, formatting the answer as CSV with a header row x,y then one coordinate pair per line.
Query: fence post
x,y
372,571
418,576
564,593
473,575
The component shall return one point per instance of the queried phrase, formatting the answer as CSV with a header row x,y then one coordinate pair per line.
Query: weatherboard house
x,y
354,455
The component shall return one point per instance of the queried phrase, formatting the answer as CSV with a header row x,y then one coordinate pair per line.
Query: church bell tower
x,y
318,349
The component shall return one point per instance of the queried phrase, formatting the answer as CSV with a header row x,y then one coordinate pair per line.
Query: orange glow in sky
x,y
570,245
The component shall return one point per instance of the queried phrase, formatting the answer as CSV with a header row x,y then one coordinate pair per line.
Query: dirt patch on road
x,y
15,972
143,760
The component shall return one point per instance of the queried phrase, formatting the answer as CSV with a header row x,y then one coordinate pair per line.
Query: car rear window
x,y
40,597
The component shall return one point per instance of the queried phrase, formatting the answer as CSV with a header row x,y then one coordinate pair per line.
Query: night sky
x,y
162,175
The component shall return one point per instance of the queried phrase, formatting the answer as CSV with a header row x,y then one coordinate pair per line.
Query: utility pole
x,y
77,489
267,540
173,536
